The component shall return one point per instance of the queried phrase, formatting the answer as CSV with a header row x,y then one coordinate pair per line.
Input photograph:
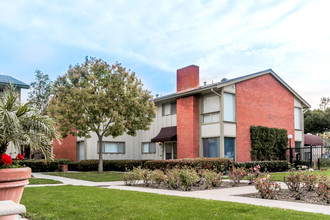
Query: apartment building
x,y
209,120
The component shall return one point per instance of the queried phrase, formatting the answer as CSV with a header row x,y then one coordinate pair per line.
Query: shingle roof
x,y
233,81
4,80
313,140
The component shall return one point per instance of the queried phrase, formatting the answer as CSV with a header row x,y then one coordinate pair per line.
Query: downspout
x,y
215,92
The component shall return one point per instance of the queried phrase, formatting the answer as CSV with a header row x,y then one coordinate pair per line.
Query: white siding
x,y
210,130
229,130
298,136
230,89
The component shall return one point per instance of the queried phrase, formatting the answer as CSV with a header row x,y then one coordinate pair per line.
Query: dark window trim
x,y
148,148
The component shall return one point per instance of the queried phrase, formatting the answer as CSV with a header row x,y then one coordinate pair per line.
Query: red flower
x,y
6,159
19,157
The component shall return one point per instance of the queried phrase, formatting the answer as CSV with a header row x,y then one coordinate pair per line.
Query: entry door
x,y
80,151
170,150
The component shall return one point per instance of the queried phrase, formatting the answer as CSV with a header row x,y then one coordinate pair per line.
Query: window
x,y
169,109
113,147
148,148
80,151
229,107
297,118
230,148
211,147
211,108
297,144
211,117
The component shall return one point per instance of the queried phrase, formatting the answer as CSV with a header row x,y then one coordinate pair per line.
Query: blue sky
x,y
155,38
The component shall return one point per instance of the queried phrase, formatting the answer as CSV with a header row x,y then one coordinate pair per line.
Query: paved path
x,y
226,194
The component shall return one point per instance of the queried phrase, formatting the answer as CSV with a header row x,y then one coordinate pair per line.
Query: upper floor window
x,y
297,118
148,148
169,109
229,107
211,109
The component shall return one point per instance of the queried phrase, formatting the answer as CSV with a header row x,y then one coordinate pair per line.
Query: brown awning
x,y
166,134
313,140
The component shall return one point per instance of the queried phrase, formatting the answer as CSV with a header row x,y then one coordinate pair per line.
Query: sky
x,y
226,39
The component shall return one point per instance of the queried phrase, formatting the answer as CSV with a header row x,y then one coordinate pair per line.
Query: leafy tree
x,y
41,91
22,124
317,121
97,97
324,103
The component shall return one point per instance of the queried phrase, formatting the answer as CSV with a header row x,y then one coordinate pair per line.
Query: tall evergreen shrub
x,y
268,143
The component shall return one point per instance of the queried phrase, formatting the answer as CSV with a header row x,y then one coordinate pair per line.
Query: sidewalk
x,y
226,194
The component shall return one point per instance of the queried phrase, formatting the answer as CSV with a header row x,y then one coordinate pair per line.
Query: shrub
x,y
172,178
73,166
268,143
42,166
218,164
253,173
267,188
188,177
237,174
210,178
157,177
323,189
325,162
270,166
132,177
110,165
144,174
293,181
309,181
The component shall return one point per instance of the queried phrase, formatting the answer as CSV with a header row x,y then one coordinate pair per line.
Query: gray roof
x,y
4,80
233,81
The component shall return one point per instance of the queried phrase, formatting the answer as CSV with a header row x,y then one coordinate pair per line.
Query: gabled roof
x,y
4,80
233,81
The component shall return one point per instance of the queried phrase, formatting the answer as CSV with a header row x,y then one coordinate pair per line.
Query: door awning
x,y
166,134
312,140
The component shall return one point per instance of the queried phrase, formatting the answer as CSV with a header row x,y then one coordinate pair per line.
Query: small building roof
x,y
312,140
4,80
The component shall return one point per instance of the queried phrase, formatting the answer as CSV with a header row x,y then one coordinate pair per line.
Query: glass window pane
x,y
167,109
110,148
207,118
211,147
121,148
173,108
229,107
297,123
230,148
211,104
152,147
145,148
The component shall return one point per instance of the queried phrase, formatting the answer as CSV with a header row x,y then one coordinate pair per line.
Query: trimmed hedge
x,y
268,143
270,166
110,165
42,166
219,164
325,162
73,166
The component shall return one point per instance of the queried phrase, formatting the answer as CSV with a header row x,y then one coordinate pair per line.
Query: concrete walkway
x,y
226,194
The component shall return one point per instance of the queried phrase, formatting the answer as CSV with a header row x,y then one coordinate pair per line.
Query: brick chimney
x,y
187,78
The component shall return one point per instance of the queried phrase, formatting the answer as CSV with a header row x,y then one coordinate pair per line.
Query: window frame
x,y
218,149
211,114
224,146
116,142
172,109
234,107
149,147
296,117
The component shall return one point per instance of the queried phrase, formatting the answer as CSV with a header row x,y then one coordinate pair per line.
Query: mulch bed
x,y
224,184
286,195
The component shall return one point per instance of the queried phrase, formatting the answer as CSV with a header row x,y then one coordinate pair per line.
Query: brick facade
x,y
261,101
187,78
188,127
67,149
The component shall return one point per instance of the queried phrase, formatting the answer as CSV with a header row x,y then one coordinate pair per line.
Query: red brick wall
x,y
188,127
261,101
67,149
187,78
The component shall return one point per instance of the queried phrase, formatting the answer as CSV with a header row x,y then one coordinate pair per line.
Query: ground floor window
x,y
230,148
211,147
80,151
113,147
170,150
148,148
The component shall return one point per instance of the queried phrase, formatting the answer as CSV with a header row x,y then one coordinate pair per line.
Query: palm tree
x,y
21,124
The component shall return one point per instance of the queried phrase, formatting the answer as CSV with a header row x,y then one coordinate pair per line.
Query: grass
x,y
92,176
83,202
280,176
38,181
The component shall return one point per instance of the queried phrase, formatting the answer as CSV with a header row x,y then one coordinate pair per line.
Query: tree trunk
x,y
100,169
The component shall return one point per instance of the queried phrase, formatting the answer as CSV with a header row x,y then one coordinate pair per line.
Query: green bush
x,y
73,166
268,143
42,166
325,162
210,178
110,165
218,164
157,177
270,166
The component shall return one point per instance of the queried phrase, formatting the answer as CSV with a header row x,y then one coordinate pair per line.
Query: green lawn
x,y
82,202
280,176
92,176
38,181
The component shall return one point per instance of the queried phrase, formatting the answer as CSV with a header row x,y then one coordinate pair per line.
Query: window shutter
x,y
211,104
